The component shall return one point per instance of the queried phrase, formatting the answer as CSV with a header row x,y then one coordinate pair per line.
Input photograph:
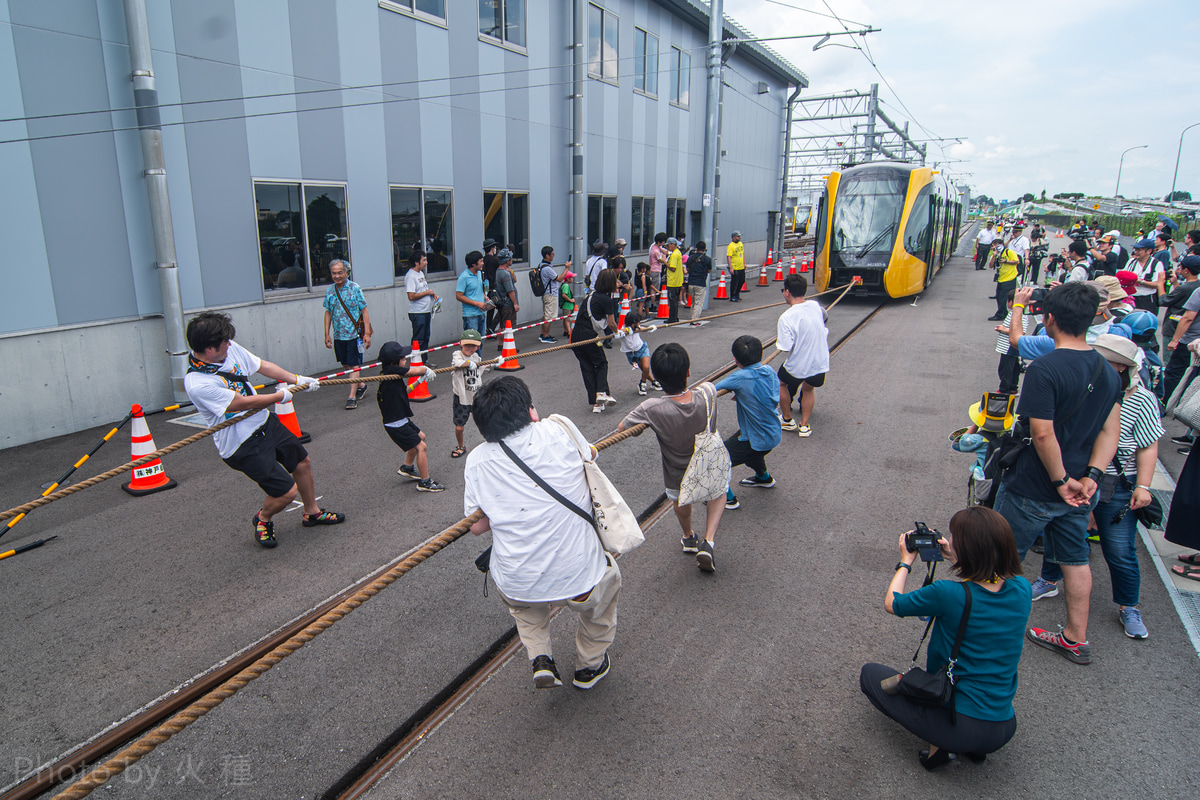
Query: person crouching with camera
x,y
979,718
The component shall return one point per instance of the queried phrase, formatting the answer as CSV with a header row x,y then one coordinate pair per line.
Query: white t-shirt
x,y
414,281
1151,272
1020,245
541,550
802,331
1077,273
986,237
212,394
595,265
631,343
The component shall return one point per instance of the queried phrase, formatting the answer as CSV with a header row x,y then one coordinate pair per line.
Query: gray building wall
x,y
306,91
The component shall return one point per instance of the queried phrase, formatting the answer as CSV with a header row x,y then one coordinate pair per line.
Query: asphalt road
x,y
738,684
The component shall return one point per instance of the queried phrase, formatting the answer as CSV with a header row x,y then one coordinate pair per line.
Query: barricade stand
x,y
509,353
418,392
722,290
148,478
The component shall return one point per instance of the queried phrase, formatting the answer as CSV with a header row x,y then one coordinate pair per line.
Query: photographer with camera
x,y
1105,259
995,599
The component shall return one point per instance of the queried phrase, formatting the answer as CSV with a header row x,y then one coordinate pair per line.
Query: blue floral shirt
x,y
343,325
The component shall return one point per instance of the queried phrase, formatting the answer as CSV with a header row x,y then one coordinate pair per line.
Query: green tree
x,y
1027,197
1176,196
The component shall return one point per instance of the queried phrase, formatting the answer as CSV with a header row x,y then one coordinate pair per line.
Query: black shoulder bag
x,y
936,688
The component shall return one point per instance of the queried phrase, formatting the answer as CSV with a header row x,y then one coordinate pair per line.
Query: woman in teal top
x,y
984,554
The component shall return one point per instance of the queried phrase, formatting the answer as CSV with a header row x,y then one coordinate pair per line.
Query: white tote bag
x,y
707,474
615,521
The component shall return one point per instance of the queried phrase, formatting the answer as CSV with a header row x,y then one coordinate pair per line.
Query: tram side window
x,y
820,224
916,232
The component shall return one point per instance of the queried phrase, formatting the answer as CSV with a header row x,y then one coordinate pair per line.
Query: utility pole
x,y
716,30
578,54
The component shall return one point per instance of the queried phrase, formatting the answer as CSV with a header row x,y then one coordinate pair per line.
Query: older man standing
x,y
346,313
545,553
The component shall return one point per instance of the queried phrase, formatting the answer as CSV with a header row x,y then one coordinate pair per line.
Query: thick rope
x,y
112,473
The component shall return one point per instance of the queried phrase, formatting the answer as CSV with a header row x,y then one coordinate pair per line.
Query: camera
x,y
925,541
1039,251
1038,298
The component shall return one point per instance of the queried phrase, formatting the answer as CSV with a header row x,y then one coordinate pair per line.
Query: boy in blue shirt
x,y
755,387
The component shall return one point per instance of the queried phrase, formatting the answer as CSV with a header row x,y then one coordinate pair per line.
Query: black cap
x,y
489,243
393,352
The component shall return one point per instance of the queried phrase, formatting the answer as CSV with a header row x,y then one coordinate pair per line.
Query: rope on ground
x,y
125,758
112,473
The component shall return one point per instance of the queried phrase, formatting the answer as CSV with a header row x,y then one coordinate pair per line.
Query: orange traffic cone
x,y
664,305
418,392
687,298
148,478
770,253
792,269
779,271
287,415
763,280
624,310
722,291
509,354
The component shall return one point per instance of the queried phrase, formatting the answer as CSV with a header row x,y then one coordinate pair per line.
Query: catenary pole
x,y
145,98
578,252
716,30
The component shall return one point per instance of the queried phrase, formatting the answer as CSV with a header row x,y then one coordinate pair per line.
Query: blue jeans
x,y
1118,542
420,329
1063,526
474,321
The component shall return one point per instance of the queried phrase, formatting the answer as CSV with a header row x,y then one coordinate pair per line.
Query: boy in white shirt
x,y
637,352
468,376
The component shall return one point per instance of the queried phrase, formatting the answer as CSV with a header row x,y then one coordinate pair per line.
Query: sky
x,y
1044,94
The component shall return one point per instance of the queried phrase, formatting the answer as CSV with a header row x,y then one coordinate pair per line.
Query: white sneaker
x,y
609,399
598,408
642,388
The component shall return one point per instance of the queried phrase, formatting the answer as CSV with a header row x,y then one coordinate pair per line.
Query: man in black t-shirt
x,y
1071,398
490,264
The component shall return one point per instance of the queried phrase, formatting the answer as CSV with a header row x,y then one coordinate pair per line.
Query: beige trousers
x,y
698,295
596,629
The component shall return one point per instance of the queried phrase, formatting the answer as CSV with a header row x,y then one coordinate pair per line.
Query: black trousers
x,y
1010,373
593,365
737,280
742,453
981,255
1002,290
672,303
932,723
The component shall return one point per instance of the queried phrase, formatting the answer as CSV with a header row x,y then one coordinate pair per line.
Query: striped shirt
x,y
1003,344
1140,427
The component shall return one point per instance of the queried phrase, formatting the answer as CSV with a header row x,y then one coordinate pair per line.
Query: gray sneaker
x,y
1077,652
1044,588
545,674
1131,618
704,558
430,485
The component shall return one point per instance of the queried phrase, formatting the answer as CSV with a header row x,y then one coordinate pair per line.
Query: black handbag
x,y
1151,516
936,688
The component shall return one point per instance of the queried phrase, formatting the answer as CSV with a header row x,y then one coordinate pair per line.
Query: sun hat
x,y
1116,349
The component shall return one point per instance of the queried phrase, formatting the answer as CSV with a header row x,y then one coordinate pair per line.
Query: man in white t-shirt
x,y
1151,276
544,554
420,301
983,245
217,383
1020,245
802,334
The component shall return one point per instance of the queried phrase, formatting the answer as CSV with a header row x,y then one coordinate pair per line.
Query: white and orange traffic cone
x,y
779,271
287,415
722,290
509,353
418,390
792,269
664,305
624,310
770,255
806,265
148,478
763,280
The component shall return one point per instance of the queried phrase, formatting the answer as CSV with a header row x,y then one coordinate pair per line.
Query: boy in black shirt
x,y
397,414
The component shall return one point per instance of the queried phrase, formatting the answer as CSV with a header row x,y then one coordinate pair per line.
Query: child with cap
x,y
397,414
468,372
566,302
637,352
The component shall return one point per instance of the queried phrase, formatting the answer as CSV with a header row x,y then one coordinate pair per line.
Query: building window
x,y
422,219
503,20
645,62
418,8
681,77
602,44
301,228
602,219
677,217
641,230
506,219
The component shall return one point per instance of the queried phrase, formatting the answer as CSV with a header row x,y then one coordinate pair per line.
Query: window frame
x,y
677,211
642,241
507,221
451,271
603,201
678,73
641,65
503,41
409,8
309,287
616,59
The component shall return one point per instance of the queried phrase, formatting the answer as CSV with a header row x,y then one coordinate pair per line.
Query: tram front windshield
x,y
867,213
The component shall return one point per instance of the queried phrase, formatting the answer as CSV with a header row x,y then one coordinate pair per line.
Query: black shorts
x,y
793,383
346,351
407,436
461,413
269,457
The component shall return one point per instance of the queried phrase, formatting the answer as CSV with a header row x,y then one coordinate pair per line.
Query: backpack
x,y
537,282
